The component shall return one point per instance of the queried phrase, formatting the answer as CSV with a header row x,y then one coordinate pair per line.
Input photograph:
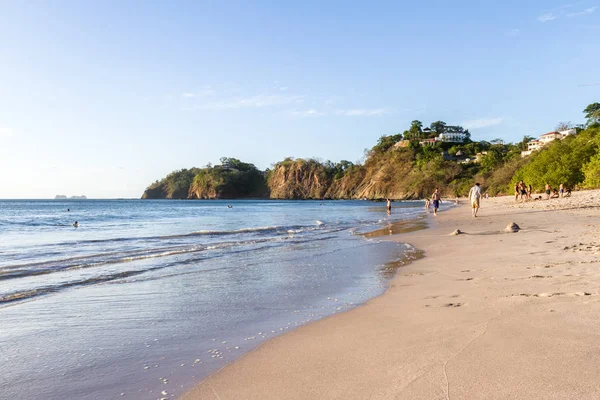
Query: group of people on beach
x,y
475,197
524,192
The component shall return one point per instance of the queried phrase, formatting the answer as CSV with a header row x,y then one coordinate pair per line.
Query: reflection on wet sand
x,y
396,228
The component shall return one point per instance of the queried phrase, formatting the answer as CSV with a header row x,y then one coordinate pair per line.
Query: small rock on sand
x,y
456,232
512,227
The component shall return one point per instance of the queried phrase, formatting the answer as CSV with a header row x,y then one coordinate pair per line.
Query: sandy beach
x,y
484,315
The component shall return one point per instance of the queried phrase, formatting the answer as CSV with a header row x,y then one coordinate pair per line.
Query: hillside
x,y
402,166
231,180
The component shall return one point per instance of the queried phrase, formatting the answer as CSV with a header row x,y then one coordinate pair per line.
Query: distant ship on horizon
x,y
63,197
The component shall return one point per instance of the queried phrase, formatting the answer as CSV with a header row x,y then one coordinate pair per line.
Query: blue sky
x,y
103,98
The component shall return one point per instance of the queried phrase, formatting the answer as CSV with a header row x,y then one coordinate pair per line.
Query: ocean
x,y
147,297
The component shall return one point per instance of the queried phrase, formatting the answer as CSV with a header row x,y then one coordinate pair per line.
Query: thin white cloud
x,y
205,91
279,98
355,112
258,101
6,133
363,112
308,113
482,123
514,32
557,12
554,13
584,12
546,17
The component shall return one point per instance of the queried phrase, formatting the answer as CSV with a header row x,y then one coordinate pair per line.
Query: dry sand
x,y
485,315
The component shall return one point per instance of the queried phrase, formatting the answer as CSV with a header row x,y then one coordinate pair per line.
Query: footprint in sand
x,y
544,294
453,305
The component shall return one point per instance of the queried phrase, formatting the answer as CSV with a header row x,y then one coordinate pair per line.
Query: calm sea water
x,y
152,296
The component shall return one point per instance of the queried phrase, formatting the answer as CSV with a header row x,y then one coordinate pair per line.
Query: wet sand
x,y
485,315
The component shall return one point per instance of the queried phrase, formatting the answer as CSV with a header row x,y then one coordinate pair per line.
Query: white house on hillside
x,y
549,137
451,137
568,132
534,145
546,138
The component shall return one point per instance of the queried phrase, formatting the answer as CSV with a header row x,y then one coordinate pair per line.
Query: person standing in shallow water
x,y
437,199
474,196
389,206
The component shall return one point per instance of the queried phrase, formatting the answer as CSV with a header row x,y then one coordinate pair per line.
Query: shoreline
x,y
259,282
441,329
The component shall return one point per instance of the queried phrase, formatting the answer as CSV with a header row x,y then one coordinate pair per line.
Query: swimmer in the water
x,y
76,224
229,206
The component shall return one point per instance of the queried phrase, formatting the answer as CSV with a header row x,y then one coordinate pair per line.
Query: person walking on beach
x,y
561,189
517,191
548,191
474,196
437,199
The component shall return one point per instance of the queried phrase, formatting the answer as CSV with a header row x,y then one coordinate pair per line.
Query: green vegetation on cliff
x,y
402,166
564,161
176,185
232,179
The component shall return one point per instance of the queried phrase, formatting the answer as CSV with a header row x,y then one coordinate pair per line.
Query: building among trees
x,y
536,144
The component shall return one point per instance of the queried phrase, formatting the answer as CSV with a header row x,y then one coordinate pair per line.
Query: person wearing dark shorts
x,y
436,200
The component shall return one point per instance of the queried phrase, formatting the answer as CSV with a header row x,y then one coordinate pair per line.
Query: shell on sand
x,y
512,227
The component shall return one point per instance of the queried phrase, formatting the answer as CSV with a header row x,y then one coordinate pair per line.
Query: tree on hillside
x,y
563,126
454,129
385,142
416,124
415,132
493,159
234,163
467,136
438,127
592,113
416,129
526,139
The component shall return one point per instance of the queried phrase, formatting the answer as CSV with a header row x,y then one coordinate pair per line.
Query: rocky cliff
x,y
299,179
389,171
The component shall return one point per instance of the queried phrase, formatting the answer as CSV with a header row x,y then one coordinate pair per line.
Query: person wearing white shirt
x,y
474,196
